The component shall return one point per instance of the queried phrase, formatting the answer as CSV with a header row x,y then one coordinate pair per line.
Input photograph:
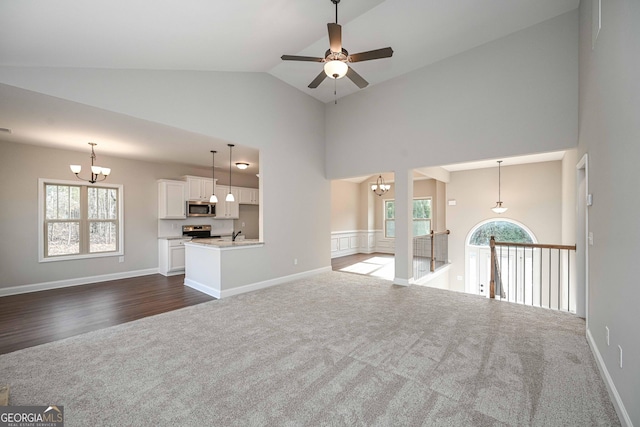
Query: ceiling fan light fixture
x,y
242,165
336,69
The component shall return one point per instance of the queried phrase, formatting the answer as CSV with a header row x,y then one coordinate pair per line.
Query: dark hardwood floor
x,y
36,318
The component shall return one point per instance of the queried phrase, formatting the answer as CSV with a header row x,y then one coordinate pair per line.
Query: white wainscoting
x,y
353,242
384,245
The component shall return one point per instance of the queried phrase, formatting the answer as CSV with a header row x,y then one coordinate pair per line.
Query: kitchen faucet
x,y
234,235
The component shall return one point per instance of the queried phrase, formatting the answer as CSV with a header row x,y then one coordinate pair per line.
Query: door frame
x,y
582,234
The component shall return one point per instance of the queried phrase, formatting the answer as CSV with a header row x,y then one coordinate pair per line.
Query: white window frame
x,y
41,221
384,215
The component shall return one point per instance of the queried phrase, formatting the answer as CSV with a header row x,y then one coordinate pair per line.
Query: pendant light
x,y
214,198
379,188
230,197
96,171
498,207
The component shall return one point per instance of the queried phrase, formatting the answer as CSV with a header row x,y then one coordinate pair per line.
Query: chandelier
x,y
379,188
98,173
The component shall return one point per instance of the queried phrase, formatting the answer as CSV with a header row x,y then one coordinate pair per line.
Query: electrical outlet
x,y
590,238
121,259
607,329
295,261
620,351
243,223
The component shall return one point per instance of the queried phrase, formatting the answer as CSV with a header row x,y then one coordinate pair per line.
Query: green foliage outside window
x,y
503,231
421,217
80,219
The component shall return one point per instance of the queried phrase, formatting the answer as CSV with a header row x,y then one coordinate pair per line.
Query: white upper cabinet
x,y
248,196
171,199
199,188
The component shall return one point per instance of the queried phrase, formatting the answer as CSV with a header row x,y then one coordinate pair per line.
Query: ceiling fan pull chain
x,y
335,91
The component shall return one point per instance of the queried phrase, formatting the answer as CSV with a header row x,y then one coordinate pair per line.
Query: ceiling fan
x,y
336,59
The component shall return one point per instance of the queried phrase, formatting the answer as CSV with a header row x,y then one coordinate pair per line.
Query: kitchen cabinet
x,y
224,209
171,199
199,188
248,196
171,256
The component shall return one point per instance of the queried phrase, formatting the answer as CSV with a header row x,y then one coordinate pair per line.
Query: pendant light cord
x,y
499,182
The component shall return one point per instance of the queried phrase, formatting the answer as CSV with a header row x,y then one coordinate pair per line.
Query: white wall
x,y
516,95
250,109
531,192
610,134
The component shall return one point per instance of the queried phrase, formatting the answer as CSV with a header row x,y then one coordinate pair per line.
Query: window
x,y
503,231
421,217
79,221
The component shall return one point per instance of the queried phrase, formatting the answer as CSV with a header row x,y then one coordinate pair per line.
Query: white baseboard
x,y
45,286
611,387
253,286
402,282
202,288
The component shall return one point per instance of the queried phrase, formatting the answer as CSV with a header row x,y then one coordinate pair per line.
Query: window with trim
x,y
421,217
79,221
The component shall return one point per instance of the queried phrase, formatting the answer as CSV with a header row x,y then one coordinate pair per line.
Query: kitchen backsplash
x,y
173,228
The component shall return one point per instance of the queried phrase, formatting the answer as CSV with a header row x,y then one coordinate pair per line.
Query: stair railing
x,y
532,274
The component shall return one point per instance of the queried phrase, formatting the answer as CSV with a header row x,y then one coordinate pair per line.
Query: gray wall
x,y
20,167
516,95
251,109
610,134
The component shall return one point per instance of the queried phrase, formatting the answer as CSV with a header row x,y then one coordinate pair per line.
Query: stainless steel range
x,y
196,231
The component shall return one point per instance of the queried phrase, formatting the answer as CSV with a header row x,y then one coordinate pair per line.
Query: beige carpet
x,y
337,349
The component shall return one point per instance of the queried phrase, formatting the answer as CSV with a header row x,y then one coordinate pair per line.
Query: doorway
x,y
478,252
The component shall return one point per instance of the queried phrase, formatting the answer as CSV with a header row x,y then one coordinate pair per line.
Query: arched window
x,y
478,254
503,231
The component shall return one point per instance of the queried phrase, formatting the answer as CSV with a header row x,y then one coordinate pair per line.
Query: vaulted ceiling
x,y
251,35
236,36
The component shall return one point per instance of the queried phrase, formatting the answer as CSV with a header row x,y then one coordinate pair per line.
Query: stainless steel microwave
x,y
196,208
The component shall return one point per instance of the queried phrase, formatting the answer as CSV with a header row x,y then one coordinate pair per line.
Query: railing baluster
x,y
568,280
540,277
549,302
559,286
526,270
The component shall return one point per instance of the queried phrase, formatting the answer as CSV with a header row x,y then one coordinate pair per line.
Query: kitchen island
x,y
210,264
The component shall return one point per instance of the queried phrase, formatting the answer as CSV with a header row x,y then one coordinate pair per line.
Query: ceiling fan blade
x,y
385,52
357,78
316,82
335,37
301,58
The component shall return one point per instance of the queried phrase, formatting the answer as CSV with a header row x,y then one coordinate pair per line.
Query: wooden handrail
x,y
492,282
433,247
534,245
493,244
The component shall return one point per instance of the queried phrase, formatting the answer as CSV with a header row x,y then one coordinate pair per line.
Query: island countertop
x,y
224,243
